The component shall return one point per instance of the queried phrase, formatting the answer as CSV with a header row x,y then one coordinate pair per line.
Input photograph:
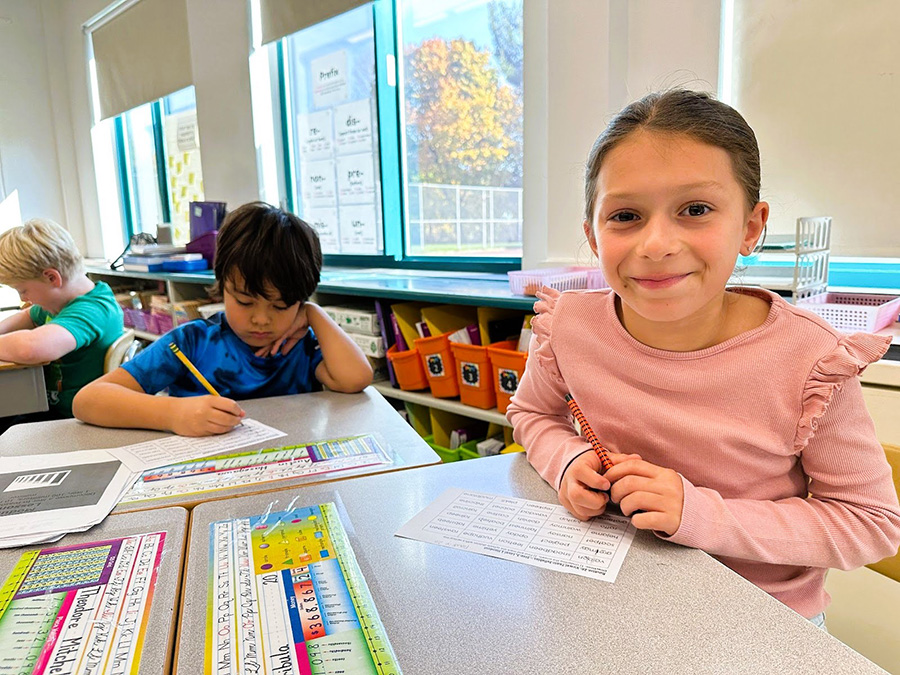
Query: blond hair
x,y
38,245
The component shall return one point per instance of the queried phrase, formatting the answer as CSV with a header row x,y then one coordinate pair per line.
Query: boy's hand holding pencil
x,y
203,415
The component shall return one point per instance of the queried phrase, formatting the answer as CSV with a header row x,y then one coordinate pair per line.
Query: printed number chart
x,y
79,609
521,530
258,466
286,595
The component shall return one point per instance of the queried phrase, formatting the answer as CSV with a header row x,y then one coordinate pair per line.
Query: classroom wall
x,y
29,114
583,62
820,87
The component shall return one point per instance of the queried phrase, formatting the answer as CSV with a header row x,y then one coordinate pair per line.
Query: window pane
x,y
184,178
332,109
462,87
140,158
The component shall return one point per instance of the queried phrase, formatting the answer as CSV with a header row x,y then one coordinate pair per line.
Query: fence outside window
x,y
470,219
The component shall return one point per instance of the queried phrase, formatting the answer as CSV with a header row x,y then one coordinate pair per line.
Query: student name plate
x,y
286,595
258,466
79,609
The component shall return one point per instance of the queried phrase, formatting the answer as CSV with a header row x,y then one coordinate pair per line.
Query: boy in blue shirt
x,y
71,323
269,341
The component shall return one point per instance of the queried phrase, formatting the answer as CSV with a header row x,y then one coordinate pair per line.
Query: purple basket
x,y
163,323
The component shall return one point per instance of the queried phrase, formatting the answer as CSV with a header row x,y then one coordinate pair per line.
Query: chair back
x,y
890,567
115,353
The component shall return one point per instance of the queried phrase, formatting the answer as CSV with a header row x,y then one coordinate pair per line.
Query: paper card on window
x,y
186,133
318,185
359,229
316,135
325,223
353,127
356,179
329,79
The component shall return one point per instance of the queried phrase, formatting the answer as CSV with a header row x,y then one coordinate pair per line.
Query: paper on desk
x,y
45,496
141,457
521,530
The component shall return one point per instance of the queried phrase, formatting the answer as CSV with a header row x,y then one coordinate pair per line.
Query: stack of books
x,y
162,258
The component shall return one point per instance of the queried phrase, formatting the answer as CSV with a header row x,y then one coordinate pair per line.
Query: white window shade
x,y
279,18
141,54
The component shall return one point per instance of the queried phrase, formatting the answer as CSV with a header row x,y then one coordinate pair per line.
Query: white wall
x,y
583,62
821,89
28,150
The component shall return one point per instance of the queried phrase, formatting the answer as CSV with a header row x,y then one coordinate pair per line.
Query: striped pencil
x,y
589,434
191,367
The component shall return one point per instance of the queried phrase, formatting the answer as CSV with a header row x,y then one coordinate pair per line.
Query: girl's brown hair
x,y
681,112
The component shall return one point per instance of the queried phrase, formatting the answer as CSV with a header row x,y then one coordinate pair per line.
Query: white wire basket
x,y
852,311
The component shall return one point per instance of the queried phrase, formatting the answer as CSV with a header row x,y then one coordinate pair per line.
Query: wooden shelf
x,y
448,404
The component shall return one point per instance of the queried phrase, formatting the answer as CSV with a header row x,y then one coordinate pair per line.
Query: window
x,y
410,156
154,150
462,93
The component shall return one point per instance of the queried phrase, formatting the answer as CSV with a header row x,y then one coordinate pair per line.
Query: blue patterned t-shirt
x,y
226,361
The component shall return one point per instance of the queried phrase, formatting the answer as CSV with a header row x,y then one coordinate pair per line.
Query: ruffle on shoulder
x,y
848,359
542,327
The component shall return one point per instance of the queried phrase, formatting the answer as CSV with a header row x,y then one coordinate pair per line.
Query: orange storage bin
x,y
473,371
407,368
439,365
507,367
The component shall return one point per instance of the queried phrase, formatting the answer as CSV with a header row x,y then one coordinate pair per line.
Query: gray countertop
x,y
159,640
304,417
672,609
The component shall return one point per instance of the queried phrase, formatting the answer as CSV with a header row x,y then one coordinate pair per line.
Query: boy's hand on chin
x,y
206,415
297,331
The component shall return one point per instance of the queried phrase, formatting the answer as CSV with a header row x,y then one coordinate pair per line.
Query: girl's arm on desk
x,y
117,400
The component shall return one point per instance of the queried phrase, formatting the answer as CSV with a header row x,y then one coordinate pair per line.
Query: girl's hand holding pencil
x,y
583,490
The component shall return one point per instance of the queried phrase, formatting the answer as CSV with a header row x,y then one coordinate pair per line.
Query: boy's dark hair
x,y
269,246
690,113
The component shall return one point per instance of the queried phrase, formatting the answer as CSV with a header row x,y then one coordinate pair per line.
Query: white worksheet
x,y
141,457
521,530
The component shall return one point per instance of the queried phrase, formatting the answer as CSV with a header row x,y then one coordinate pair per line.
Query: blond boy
x,y
71,321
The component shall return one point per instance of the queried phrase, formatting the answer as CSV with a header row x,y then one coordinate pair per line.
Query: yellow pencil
x,y
190,366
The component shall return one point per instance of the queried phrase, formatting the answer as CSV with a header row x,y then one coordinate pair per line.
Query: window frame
x,y
392,158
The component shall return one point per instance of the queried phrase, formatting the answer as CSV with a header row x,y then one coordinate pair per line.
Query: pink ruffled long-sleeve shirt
x,y
783,475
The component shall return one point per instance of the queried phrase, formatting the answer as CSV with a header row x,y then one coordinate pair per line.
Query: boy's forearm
x,y
346,364
19,321
16,347
111,405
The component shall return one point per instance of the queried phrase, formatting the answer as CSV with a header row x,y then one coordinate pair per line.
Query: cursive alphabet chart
x,y
525,531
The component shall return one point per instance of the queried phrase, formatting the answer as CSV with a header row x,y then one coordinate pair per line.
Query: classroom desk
x,y
156,655
672,609
304,417
22,389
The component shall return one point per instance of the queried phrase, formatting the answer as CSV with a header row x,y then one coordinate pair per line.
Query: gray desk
x,y
156,656
672,609
304,417
22,389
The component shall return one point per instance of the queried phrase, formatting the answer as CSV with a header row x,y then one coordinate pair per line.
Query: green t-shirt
x,y
95,321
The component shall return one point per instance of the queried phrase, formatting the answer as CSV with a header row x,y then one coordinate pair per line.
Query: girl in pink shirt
x,y
736,420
